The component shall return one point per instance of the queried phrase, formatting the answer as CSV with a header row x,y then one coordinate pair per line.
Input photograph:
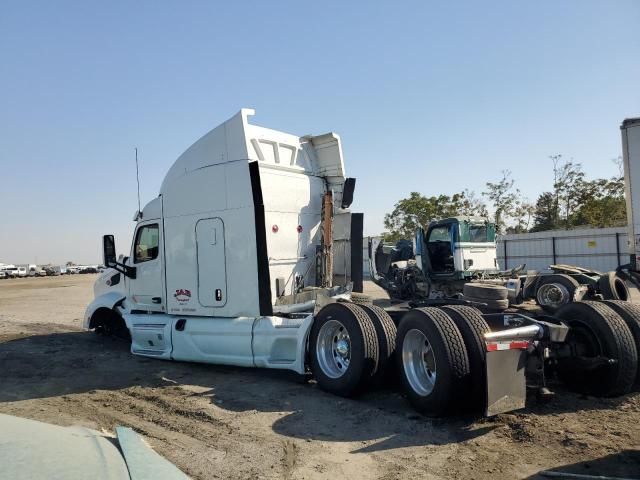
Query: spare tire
x,y
596,336
630,313
485,290
361,298
612,287
489,304
554,291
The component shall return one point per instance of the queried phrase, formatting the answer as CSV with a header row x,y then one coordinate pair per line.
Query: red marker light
x,y
274,229
299,229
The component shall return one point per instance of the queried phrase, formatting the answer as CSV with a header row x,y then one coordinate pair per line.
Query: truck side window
x,y
147,242
440,234
478,233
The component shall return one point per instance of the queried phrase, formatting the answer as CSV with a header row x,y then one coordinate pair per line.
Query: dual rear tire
x,y
350,347
439,353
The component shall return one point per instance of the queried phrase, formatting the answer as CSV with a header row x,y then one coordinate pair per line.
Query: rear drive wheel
x,y
555,290
612,287
386,332
344,348
630,313
472,327
433,360
603,357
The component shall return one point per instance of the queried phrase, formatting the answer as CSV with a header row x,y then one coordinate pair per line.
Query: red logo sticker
x,y
182,295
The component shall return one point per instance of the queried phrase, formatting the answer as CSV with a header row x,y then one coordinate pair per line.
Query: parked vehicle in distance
x,y
11,271
457,256
41,272
32,270
3,275
22,272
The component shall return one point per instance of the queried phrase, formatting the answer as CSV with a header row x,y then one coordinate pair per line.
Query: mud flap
x,y
506,385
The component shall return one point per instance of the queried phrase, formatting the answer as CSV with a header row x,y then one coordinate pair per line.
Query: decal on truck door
x,y
212,269
182,296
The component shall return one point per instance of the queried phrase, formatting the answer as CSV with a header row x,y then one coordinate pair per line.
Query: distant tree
x,y
504,198
568,185
544,215
602,203
70,264
471,205
523,213
417,211
604,212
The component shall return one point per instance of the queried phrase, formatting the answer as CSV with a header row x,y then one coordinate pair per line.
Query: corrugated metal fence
x,y
601,249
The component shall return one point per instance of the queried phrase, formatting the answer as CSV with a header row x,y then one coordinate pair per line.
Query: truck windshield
x,y
477,233
440,234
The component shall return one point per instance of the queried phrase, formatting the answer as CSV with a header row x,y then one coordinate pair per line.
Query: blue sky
x,y
429,97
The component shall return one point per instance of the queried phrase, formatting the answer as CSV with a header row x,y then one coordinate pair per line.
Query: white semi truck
x,y
248,257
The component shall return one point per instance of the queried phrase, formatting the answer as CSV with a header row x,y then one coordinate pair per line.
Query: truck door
x,y
422,253
146,290
212,271
440,248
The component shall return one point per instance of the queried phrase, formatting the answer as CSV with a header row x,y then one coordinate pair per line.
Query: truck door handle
x,y
180,324
156,299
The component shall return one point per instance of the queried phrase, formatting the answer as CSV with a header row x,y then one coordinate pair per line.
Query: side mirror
x,y
347,192
109,251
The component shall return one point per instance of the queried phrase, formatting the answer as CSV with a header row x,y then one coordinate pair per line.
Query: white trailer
x,y
233,263
630,130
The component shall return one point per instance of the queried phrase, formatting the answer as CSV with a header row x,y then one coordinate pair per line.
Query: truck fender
x,y
303,344
107,300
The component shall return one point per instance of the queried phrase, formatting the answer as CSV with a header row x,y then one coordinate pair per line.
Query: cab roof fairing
x,y
237,139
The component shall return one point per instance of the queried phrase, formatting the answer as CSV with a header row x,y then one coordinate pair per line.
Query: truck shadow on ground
x,y
625,464
58,364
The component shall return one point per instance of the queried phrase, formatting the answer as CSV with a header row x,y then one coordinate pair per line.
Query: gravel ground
x,y
233,423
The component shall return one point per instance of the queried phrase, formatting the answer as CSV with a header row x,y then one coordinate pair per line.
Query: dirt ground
x,y
233,423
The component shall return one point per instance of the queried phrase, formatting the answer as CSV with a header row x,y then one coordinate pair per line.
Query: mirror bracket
x,y
109,258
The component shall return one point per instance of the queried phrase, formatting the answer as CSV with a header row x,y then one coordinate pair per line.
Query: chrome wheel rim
x,y
333,349
419,362
553,295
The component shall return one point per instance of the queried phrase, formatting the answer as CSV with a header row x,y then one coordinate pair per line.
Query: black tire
x,y
490,304
472,327
564,281
597,330
630,313
361,298
364,348
451,381
386,332
108,322
612,287
485,290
